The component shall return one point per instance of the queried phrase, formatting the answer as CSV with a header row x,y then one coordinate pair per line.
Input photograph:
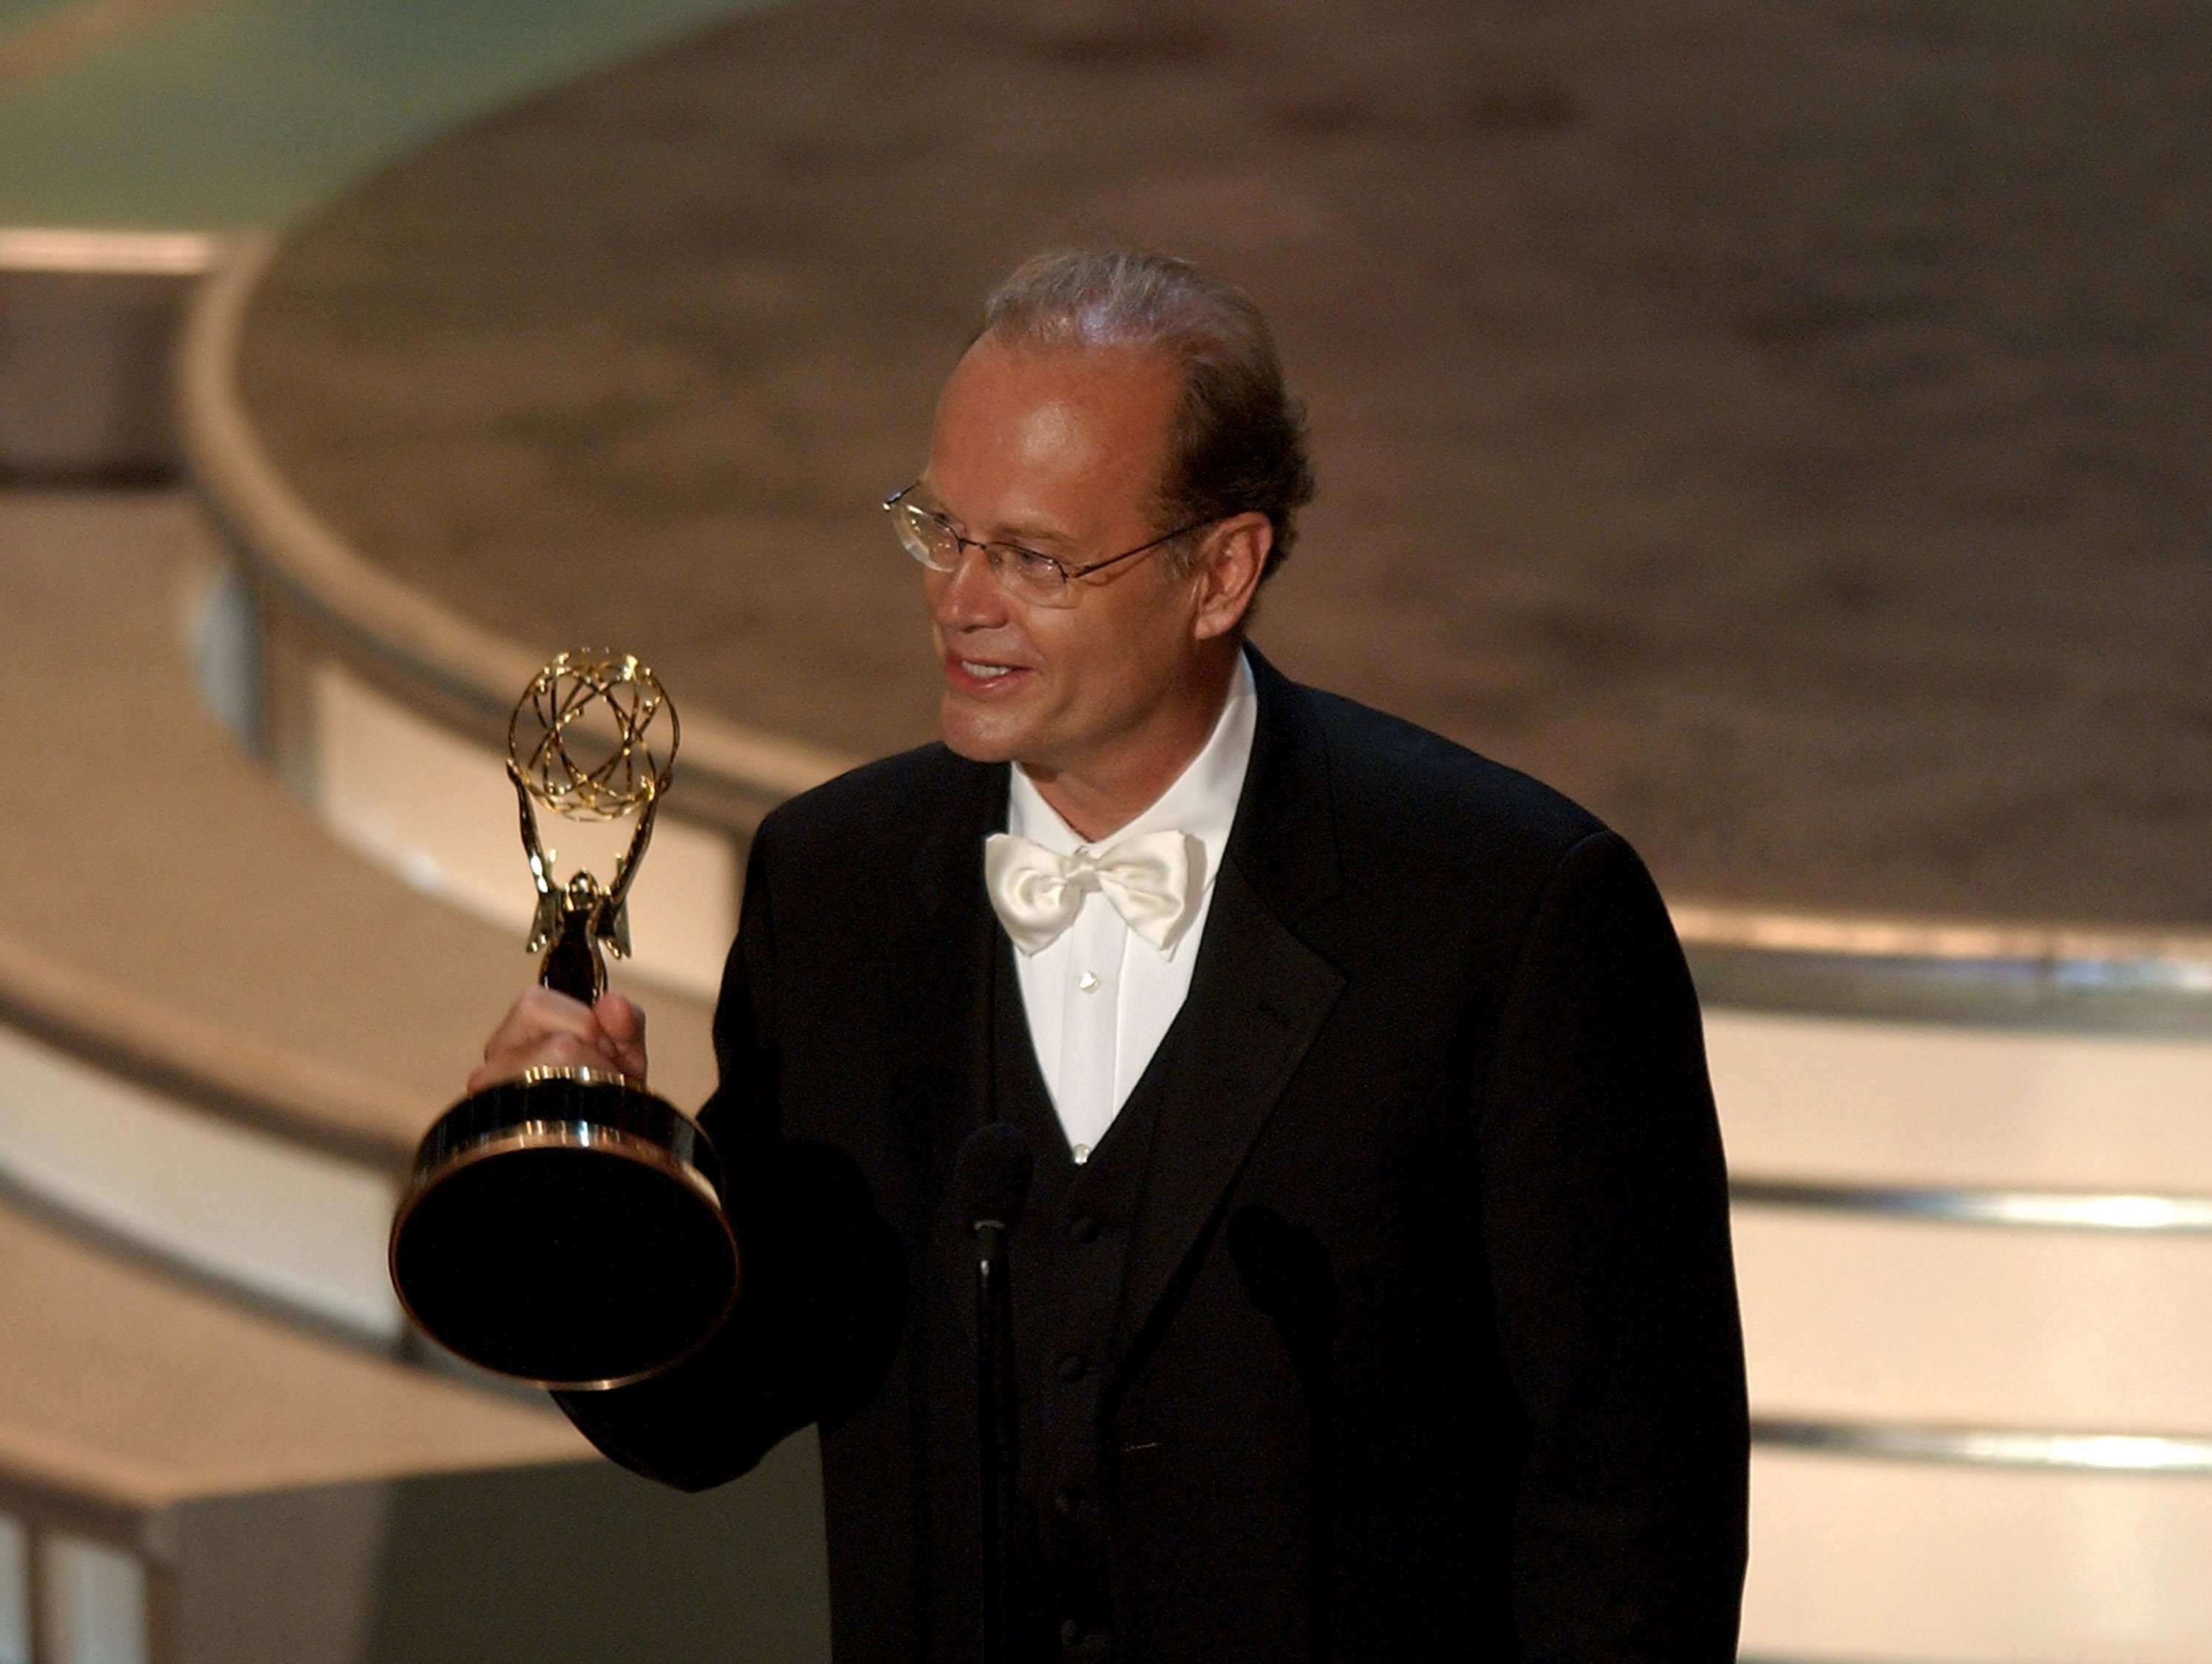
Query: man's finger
x,y
540,1012
619,1015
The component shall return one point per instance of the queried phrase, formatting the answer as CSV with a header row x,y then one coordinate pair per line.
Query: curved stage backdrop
x,y
1783,428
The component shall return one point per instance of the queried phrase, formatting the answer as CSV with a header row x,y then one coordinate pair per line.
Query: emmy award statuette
x,y
567,1228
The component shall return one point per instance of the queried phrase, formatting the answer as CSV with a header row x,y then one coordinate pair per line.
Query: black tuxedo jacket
x,y
1422,1339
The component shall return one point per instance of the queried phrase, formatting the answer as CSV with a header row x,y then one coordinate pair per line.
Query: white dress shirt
x,y
1099,999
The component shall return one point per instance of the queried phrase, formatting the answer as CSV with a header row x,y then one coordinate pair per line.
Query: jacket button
x,y
1073,1366
1071,1634
1082,1228
1063,1503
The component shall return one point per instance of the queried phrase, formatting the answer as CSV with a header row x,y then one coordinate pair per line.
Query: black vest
x,y
1068,1258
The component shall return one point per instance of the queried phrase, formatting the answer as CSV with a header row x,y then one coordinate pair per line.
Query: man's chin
x,y
978,736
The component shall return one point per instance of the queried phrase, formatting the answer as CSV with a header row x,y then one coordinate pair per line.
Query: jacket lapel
x,y
1259,994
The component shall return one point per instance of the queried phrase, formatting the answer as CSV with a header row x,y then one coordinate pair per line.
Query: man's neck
x,y
1097,804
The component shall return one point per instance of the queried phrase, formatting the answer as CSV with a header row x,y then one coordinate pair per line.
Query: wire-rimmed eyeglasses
x,y
1027,574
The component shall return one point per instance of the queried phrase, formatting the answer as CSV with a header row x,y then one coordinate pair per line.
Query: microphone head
x,y
993,1174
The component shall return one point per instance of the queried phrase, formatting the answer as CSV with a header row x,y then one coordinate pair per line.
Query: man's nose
x,y
969,597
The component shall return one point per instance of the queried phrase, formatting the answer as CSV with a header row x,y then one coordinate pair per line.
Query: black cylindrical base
x,y
567,1229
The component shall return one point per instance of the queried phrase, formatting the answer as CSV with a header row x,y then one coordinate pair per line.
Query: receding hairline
x,y
1026,345
1098,296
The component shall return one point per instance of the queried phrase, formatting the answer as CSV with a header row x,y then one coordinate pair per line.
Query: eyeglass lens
x,y
1023,573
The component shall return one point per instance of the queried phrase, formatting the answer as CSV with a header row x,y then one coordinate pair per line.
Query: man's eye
x,y
1030,563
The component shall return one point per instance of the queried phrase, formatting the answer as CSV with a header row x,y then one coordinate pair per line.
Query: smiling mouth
x,y
983,669
980,677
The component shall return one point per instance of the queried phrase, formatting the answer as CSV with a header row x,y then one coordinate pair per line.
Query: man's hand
x,y
548,1030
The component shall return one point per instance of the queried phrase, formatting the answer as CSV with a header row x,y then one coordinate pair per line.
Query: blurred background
x,y
1783,426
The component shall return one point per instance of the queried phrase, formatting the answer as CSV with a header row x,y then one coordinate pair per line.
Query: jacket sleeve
x,y
821,1293
1604,1208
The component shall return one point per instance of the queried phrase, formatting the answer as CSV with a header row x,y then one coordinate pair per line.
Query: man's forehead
x,y
1057,411
1050,431
1083,376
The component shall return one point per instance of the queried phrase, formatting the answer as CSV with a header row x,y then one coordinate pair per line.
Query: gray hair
x,y
1238,443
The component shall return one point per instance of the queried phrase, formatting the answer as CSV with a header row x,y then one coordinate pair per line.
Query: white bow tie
x,y
1036,893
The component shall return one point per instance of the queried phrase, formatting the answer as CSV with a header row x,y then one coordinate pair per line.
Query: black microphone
x,y
991,1176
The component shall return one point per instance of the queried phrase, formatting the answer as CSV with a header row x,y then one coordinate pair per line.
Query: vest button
x,y
1073,1366
1082,1228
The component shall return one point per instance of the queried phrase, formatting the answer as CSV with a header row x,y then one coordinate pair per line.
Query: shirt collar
x,y
1201,802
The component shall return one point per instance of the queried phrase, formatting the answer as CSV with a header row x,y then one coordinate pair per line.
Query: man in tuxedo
x,y
1373,1297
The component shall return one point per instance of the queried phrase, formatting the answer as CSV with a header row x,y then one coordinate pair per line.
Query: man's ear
x,y
1226,571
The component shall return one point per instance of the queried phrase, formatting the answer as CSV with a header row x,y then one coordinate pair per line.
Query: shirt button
x,y
1082,1228
1073,1366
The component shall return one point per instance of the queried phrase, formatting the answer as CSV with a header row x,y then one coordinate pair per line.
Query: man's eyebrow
x,y
1033,534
